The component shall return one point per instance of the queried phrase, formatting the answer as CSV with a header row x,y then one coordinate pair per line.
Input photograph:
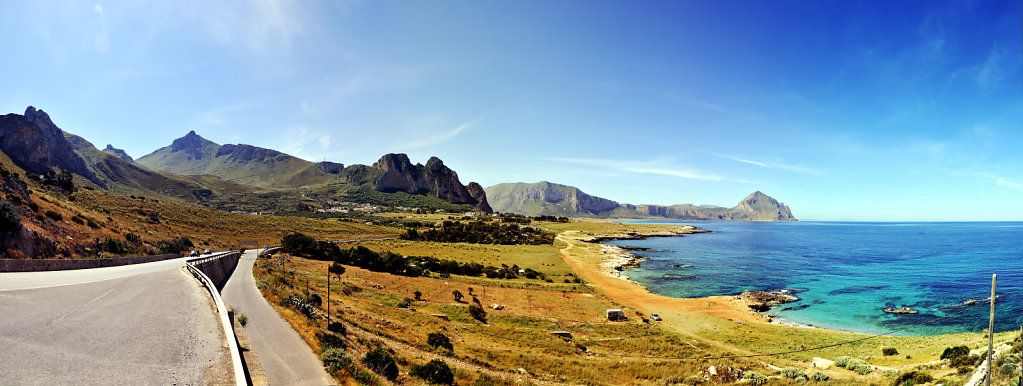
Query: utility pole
x,y
328,295
991,330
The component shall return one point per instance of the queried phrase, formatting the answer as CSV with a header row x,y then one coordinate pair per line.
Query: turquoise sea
x,y
849,271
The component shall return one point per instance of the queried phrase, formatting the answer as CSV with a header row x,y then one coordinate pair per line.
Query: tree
x,y
419,295
458,295
438,340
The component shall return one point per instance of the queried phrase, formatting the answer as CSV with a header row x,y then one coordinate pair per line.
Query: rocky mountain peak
x,y
192,144
37,145
110,149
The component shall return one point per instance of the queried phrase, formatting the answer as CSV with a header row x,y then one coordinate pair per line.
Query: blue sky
x,y
843,110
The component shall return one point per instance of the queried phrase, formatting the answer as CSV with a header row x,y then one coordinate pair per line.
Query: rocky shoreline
x,y
618,257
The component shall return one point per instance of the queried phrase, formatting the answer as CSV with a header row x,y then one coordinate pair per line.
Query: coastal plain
x,y
698,338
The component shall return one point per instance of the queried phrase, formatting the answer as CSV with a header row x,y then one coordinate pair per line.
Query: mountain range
x,y
195,171
550,199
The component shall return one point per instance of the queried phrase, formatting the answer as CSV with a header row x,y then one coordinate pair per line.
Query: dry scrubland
x,y
516,344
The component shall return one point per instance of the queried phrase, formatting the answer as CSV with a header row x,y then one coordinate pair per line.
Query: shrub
x,y
335,359
792,372
330,340
242,320
458,295
917,377
77,220
889,351
953,352
381,362
9,220
336,327
91,224
1007,369
859,367
964,370
435,371
1008,358
132,238
818,376
842,361
315,300
964,360
438,340
755,378
418,295
54,215
478,313
405,303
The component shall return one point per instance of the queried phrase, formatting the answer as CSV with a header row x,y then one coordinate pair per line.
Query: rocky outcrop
x,y
37,145
480,195
331,167
249,153
118,153
398,174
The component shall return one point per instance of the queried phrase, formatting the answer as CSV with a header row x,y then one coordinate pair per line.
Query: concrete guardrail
x,y
225,318
36,265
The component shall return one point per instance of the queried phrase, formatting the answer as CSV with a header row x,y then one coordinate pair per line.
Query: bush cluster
x,y
381,362
755,378
479,232
9,220
301,245
889,351
175,245
818,376
913,378
855,365
435,371
330,340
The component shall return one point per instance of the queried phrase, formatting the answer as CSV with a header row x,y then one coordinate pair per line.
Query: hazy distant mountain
x,y
755,207
117,153
545,198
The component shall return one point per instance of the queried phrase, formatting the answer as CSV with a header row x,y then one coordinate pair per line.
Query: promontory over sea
x,y
549,199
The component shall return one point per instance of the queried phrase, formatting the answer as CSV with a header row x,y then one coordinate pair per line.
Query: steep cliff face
x,y
480,195
396,173
550,199
110,149
37,145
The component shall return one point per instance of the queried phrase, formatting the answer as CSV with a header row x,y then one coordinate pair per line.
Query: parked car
x,y
195,252
207,252
655,317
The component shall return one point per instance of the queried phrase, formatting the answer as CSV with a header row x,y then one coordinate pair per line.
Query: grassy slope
x,y
532,312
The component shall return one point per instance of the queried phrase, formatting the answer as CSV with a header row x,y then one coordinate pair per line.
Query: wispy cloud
x,y
991,74
770,165
649,167
435,139
1009,184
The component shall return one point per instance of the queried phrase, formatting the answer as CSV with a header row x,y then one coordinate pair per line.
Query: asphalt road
x,y
285,357
141,324
29,280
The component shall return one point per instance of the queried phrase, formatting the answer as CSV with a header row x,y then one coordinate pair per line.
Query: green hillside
x,y
550,199
244,164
